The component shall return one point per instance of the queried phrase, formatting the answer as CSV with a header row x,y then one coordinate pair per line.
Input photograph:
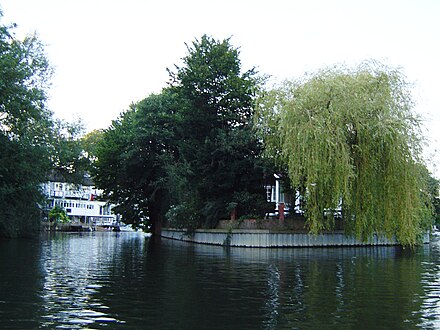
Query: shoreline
x,y
267,238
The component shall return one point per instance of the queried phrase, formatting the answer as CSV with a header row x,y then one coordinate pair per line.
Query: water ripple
x,y
107,281
76,271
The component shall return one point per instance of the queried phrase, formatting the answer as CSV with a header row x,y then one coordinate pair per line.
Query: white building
x,y
81,202
276,194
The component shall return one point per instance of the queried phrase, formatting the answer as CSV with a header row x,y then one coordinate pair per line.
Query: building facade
x,y
80,201
276,194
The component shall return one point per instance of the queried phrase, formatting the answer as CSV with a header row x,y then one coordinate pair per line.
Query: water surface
x,y
127,281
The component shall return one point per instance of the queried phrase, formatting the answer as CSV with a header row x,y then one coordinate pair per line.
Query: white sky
x,y
110,53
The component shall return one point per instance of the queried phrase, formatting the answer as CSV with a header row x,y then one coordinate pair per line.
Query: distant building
x,y
80,201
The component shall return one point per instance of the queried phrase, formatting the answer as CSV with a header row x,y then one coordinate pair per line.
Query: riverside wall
x,y
263,238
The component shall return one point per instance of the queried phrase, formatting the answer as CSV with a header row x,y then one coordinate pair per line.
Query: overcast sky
x,y
110,53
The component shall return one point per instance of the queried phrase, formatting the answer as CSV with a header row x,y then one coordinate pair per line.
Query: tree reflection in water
x,y
108,280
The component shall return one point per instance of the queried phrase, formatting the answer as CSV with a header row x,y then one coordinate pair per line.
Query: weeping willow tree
x,y
350,141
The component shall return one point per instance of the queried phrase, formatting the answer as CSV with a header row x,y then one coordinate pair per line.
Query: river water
x,y
127,281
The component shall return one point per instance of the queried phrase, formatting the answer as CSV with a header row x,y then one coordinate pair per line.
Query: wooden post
x,y
234,213
281,212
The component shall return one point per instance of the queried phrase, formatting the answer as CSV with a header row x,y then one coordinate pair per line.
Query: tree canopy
x,y
350,140
132,156
25,131
32,142
189,152
217,146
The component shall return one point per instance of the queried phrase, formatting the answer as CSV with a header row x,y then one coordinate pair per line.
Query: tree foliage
x,y
350,140
218,153
189,151
432,193
58,214
131,159
32,143
25,131
90,143
69,159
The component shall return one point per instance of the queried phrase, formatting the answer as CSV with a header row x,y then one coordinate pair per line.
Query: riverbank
x,y
266,238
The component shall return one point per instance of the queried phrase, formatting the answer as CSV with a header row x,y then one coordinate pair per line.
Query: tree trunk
x,y
155,218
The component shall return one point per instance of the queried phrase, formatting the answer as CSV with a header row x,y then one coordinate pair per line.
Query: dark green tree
x,y
25,132
132,157
189,150
219,164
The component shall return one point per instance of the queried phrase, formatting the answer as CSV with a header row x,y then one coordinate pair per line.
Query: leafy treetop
x,y
350,140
